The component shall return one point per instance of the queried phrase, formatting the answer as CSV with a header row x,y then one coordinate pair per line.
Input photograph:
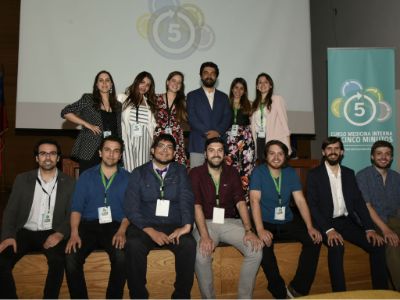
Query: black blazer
x,y
320,202
20,202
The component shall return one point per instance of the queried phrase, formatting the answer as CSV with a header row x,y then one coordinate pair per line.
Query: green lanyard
x,y
262,114
235,111
216,185
278,184
105,184
161,184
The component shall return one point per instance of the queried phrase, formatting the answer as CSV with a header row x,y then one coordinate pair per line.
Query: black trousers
x,y
354,234
28,241
308,259
96,236
138,247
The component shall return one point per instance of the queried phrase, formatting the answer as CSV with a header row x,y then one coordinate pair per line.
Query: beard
x,y
208,82
164,161
215,165
333,159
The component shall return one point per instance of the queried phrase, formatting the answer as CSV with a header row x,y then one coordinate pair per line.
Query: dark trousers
x,y
308,260
138,247
28,241
96,236
353,233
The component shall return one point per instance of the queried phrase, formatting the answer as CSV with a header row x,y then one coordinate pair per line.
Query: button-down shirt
x,y
339,206
230,190
40,204
385,198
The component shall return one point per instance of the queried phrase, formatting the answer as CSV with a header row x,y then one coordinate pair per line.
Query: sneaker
x,y
291,292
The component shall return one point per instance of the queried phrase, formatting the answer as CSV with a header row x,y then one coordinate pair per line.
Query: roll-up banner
x,y
361,100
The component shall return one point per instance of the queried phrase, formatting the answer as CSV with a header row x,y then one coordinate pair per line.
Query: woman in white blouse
x,y
138,122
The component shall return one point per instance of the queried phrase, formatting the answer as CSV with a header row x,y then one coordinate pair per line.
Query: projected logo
x,y
360,106
175,31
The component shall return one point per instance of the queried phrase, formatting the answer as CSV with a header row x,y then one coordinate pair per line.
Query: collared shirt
x,y
89,194
385,198
230,190
339,206
164,171
40,204
262,181
210,96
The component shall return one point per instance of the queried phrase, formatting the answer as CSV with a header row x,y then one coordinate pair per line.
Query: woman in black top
x,y
241,148
99,114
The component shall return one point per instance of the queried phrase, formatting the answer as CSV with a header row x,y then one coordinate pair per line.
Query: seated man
x,y
380,187
218,196
336,206
159,204
36,218
98,221
271,187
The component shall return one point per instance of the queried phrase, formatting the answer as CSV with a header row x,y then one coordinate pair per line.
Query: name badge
x,y
106,133
162,209
104,214
280,213
261,132
137,130
235,130
218,215
46,221
168,130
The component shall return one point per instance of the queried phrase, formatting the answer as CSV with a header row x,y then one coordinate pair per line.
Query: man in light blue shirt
x,y
380,187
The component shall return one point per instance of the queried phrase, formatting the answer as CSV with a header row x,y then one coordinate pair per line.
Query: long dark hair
x,y
180,102
96,93
268,98
134,98
245,105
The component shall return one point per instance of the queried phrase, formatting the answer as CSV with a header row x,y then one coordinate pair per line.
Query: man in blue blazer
x,y
209,113
338,209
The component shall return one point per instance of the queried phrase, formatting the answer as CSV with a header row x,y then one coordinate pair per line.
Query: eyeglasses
x,y
51,154
165,146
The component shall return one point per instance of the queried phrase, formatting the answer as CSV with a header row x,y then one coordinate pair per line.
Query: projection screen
x,y
64,43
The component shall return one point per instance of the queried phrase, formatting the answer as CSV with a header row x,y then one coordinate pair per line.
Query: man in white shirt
x,y
338,209
36,218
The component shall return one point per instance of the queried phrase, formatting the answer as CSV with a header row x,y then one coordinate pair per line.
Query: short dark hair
x,y
163,137
46,141
216,139
281,145
209,64
113,138
332,140
381,143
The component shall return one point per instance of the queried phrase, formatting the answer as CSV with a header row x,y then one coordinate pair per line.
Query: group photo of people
x,y
163,168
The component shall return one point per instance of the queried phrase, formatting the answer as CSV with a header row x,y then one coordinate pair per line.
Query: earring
x,y
110,91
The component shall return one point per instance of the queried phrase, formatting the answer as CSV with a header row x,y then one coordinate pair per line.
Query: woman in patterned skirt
x,y
241,148
171,113
138,120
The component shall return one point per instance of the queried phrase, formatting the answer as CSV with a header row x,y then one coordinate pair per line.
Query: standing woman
x,y
99,114
240,143
269,119
138,122
171,113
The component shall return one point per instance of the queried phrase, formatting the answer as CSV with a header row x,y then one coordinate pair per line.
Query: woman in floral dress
x,y
241,147
171,113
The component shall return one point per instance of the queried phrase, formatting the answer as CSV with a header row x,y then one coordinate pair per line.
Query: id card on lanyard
x,y
162,208
235,127
280,210
47,219
218,212
168,127
104,212
261,131
137,127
